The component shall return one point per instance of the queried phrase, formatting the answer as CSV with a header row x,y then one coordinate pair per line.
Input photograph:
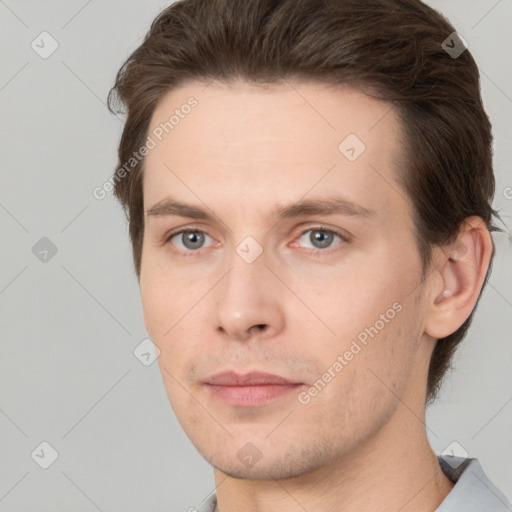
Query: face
x,y
280,277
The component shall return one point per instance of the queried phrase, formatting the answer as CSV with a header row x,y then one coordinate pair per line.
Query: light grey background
x,y
69,326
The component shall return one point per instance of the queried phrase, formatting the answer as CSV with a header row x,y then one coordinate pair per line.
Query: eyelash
x,y
344,239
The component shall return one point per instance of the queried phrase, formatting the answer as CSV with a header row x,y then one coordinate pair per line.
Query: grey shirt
x,y
473,491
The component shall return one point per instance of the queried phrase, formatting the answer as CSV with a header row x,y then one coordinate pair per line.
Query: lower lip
x,y
251,396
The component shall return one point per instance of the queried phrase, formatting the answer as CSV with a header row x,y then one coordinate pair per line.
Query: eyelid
x,y
344,236
188,229
184,229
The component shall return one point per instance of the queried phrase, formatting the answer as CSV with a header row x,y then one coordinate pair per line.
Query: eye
x,y
321,238
190,240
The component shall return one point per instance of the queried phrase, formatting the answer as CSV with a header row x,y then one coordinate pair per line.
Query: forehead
x,y
232,114
278,139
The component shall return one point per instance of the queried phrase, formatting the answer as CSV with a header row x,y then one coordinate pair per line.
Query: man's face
x,y
329,302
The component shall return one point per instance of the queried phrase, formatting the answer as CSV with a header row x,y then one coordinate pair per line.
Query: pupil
x,y
193,240
321,239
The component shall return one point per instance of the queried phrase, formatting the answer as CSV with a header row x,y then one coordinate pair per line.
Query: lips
x,y
250,389
249,379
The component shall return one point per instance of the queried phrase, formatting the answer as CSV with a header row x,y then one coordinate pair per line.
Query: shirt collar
x,y
473,491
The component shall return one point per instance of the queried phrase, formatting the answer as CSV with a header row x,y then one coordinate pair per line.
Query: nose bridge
x,y
246,297
246,281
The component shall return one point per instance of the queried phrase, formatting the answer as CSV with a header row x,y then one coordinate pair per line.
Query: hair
x,y
391,47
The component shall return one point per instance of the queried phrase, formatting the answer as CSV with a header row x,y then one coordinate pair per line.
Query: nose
x,y
249,302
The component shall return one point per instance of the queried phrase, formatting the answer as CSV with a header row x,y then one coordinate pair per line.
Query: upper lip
x,y
248,379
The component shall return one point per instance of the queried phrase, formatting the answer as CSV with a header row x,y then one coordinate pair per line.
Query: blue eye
x,y
321,238
191,240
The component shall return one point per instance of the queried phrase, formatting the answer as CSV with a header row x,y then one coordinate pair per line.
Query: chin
x,y
291,464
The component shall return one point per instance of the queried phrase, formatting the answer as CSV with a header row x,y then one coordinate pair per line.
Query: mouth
x,y
249,390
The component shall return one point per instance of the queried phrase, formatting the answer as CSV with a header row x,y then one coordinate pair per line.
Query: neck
x,y
395,469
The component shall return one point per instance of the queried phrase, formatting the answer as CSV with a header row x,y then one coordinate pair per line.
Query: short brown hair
x,y
392,47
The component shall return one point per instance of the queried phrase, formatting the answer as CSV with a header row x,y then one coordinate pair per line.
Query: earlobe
x,y
462,267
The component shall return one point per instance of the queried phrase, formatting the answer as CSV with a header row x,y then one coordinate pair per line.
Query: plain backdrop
x,y
70,308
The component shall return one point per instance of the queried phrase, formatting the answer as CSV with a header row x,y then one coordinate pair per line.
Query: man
x,y
309,190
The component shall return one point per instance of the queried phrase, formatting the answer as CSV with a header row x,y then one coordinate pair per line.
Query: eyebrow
x,y
324,206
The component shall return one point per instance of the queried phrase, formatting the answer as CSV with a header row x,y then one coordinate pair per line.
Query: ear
x,y
462,267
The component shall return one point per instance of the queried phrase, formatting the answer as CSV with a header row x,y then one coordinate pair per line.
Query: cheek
x,y
166,297
362,285
374,317
354,306
173,319
154,303
373,363
363,394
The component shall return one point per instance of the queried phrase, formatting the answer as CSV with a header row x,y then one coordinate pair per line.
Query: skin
x,y
243,151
